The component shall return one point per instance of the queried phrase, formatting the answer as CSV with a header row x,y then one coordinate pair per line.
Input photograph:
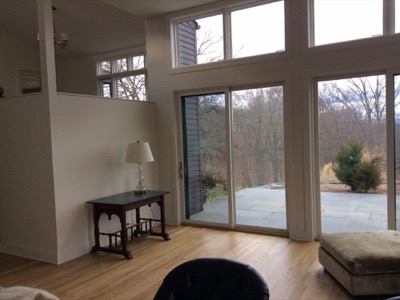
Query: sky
x,y
260,29
343,20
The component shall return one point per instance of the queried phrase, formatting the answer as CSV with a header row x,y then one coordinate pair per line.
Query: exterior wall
x,y
192,159
187,43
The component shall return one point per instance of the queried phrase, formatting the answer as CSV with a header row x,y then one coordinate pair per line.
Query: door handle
x,y
180,170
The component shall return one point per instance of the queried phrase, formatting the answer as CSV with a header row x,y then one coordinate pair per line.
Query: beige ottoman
x,y
365,263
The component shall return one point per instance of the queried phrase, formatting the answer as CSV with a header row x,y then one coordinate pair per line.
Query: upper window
x,y
258,30
123,78
397,15
200,40
338,21
252,31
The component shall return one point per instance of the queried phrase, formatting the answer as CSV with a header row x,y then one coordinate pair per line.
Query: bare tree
x,y
209,47
353,110
212,131
258,136
131,85
365,96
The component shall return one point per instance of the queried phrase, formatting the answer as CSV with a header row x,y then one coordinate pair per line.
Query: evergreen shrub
x,y
357,168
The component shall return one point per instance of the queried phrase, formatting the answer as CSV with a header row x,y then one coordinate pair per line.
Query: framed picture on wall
x,y
30,82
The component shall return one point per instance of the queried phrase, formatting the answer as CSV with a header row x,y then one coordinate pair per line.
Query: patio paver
x,y
265,207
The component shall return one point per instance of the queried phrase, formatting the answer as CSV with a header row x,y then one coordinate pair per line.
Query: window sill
x,y
230,63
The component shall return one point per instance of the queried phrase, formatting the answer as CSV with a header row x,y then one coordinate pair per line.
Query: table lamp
x,y
139,153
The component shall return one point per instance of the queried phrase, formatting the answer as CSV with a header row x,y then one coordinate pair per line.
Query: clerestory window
x,y
397,15
123,77
333,21
229,34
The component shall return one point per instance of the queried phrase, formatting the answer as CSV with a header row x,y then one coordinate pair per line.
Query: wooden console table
x,y
119,205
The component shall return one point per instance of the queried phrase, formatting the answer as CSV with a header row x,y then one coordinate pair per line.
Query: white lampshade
x,y
64,36
138,153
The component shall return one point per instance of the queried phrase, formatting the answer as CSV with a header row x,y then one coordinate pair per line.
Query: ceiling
x,y
94,26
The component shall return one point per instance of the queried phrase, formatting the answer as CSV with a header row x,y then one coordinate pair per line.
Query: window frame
x,y
226,29
115,75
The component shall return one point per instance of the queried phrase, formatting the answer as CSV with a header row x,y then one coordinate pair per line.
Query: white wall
x,y
51,168
89,140
27,206
15,55
60,150
161,91
77,76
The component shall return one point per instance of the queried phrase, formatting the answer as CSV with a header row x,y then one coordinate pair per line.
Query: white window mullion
x,y
228,35
390,133
114,89
229,147
311,24
113,66
175,44
129,61
388,17
316,181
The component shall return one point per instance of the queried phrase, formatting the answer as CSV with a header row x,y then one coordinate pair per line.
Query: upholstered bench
x,y
365,263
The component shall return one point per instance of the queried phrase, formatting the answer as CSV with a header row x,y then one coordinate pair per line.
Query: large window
x,y
338,21
352,154
123,78
234,33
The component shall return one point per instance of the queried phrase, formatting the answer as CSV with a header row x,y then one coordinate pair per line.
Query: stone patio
x,y
265,207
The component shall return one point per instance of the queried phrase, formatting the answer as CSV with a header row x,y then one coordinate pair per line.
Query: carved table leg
x,y
138,229
96,219
164,233
124,237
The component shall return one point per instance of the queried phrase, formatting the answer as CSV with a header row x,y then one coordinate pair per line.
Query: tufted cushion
x,y
363,253
213,278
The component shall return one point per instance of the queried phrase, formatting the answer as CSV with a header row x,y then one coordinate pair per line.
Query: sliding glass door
x,y
234,158
259,167
205,158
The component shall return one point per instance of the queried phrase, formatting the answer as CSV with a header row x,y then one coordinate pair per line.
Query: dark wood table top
x,y
127,198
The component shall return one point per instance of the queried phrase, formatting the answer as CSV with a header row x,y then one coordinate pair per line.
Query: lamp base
x,y
140,192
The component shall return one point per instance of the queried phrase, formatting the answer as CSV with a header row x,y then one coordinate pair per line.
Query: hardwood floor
x,y
290,268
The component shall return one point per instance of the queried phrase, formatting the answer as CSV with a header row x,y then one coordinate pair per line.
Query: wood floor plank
x,y
290,268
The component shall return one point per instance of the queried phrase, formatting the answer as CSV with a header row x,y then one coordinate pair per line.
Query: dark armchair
x,y
212,279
